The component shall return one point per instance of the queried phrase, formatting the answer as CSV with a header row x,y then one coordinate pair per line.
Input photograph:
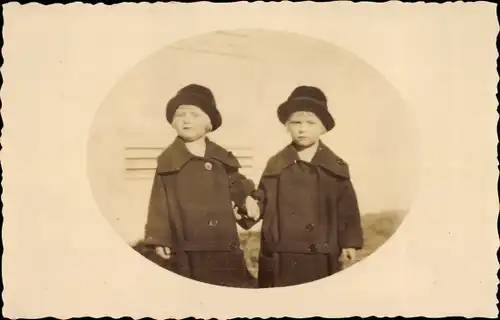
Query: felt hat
x,y
199,96
307,98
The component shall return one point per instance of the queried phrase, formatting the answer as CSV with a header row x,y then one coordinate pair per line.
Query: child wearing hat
x,y
198,197
310,210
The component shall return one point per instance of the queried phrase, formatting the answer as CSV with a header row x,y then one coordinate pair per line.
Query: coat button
x,y
310,227
208,166
313,248
233,246
213,222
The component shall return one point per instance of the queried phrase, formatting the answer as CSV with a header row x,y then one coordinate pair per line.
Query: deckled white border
x,y
61,259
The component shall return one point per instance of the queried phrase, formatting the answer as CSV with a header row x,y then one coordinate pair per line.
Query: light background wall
x,y
251,72
61,260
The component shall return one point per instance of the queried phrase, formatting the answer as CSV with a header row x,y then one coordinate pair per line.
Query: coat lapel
x,y
283,159
177,155
324,158
331,162
216,152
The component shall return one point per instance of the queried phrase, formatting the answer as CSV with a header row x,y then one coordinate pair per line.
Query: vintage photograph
x,y
253,158
220,161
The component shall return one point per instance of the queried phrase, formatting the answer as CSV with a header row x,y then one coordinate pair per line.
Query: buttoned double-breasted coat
x,y
190,212
310,213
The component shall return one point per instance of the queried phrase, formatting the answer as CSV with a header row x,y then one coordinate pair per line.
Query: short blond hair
x,y
209,127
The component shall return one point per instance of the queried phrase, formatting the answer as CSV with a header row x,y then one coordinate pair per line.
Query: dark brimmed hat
x,y
307,98
196,95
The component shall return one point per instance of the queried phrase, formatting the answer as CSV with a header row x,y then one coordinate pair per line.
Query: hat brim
x,y
287,108
210,110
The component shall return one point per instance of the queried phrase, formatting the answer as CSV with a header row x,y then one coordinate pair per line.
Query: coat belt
x,y
193,246
298,247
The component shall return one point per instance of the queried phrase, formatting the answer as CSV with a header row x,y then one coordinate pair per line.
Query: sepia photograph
x,y
173,161
253,158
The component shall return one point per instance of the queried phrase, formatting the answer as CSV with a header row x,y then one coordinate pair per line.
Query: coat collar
x,y
177,154
323,157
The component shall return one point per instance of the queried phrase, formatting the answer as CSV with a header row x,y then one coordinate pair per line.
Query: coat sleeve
x,y
241,187
259,195
350,229
157,230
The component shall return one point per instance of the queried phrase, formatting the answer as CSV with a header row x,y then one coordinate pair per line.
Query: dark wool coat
x,y
310,213
190,212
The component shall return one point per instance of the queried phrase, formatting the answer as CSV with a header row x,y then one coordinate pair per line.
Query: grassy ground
x,y
377,228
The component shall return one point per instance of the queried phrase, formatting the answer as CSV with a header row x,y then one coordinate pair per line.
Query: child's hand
x,y
252,208
163,252
235,211
348,254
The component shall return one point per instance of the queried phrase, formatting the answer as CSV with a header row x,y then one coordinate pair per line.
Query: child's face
x,y
190,122
305,128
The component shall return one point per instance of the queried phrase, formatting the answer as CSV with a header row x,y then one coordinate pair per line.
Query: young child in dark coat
x,y
310,211
197,188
